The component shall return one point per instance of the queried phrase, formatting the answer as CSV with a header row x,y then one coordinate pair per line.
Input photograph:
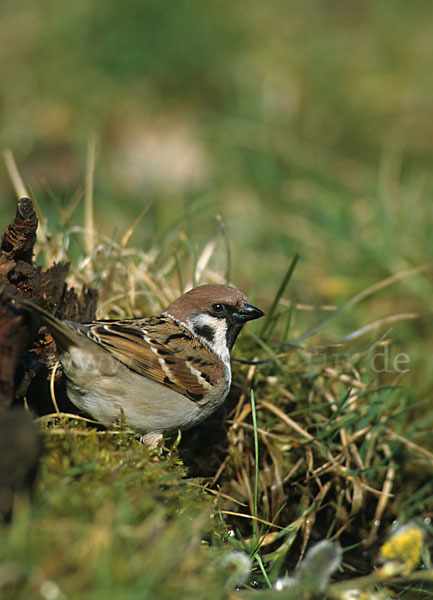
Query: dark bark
x,y
20,236
20,451
19,277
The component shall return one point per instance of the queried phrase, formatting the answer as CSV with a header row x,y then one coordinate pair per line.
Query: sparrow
x,y
158,374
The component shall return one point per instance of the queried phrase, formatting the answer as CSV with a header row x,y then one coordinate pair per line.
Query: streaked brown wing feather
x,y
156,348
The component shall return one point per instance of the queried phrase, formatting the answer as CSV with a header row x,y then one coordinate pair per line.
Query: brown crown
x,y
200,298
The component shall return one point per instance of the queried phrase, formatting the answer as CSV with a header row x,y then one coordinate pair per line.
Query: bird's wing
x,y
160,349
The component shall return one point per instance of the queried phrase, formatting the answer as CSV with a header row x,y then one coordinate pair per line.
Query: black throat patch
x,y
232,333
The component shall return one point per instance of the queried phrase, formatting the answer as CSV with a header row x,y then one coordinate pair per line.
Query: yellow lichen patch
x,y
401,553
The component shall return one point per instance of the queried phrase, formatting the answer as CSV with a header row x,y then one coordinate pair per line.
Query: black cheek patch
x,y
205,332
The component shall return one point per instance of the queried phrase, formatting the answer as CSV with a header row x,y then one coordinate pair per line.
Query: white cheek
x,y
220,343
219,329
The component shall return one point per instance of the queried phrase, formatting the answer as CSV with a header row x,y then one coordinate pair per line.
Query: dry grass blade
x,y
216,493
361,296
383,498
201,273
410,445
128,233
251,518
379,323
283,417
52,389
14,174
115,257
89,224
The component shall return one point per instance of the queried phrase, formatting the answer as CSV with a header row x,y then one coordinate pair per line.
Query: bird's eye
x,y
217,307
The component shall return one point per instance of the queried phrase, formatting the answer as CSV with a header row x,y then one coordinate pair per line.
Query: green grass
x,y
248,134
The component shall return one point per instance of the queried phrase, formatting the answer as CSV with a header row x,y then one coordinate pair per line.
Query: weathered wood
x,y
20,236
18,276
14,339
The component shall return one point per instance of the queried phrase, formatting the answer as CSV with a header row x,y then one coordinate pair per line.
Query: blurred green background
x,y
306,125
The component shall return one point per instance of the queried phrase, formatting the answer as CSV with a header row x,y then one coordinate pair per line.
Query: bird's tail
x,y
63,335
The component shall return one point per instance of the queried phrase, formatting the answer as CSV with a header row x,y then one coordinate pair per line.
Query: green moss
x,y
109,517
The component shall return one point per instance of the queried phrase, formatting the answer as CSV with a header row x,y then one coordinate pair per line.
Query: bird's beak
x,y
248,312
